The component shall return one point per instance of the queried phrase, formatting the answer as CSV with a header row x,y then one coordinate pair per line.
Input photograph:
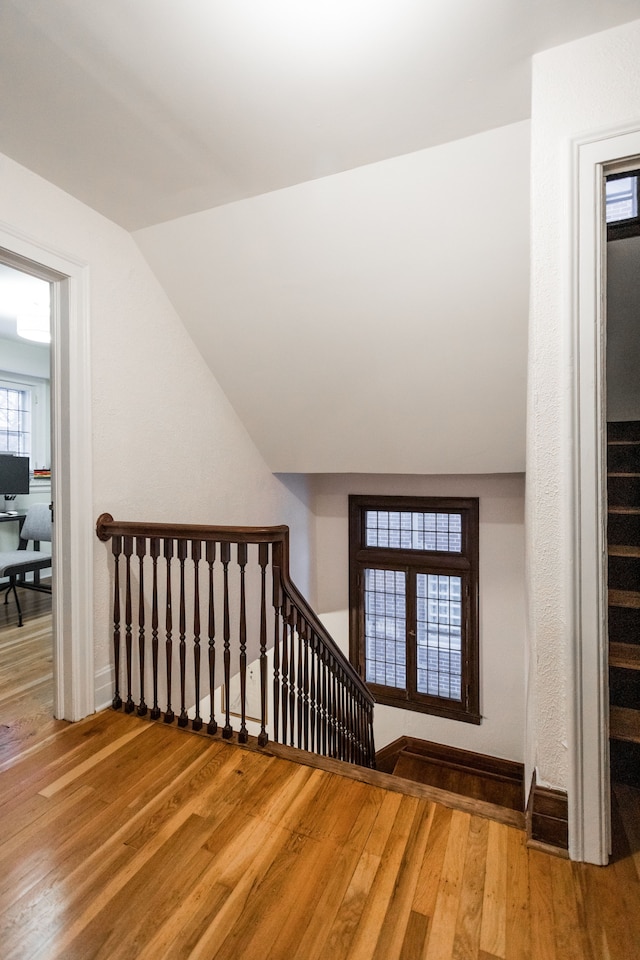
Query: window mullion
x,y
411,632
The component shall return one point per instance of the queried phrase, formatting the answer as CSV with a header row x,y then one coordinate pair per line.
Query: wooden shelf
x,y
624,724
625,655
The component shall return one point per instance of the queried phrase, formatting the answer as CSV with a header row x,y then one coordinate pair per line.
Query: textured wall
x,y
579,89
374,321
167,444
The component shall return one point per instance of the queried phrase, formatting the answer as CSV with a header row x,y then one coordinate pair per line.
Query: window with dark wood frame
x,y
413,597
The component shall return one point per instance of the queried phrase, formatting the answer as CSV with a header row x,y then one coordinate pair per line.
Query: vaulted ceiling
x,y
151,109
333,193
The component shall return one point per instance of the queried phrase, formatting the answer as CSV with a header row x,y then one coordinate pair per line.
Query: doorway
x,y
26,637
623,470
71,485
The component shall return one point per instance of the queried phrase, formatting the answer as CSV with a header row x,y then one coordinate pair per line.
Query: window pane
x,y
439,635
412,530
385,627
15,420
621,199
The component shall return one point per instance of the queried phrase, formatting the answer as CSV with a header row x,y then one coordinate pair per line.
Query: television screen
x,y
14,474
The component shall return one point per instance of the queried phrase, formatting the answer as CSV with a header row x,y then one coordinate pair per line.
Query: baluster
x,y
305,682
312,690
128,551
277,607
335,733
212,726
352,723
300,683
263,559
141,549
154,551
292,674
168,554
225,556
285,669
345,717
322,702
243,736
343,725
183,719
116,549
196,548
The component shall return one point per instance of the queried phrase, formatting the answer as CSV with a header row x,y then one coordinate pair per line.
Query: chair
x,y
14,564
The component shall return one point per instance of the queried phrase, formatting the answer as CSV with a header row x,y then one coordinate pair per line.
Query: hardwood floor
x,y
26,674
127,839
122,838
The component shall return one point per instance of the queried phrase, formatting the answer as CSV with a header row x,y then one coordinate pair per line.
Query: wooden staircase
x,y
623,488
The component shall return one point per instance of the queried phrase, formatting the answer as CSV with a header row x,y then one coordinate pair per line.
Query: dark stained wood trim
x,y
413,561
477,765
548,818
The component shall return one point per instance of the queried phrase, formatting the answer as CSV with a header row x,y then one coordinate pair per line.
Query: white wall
x,y
167,444
19,356
623,329
582,88
502,607
372,321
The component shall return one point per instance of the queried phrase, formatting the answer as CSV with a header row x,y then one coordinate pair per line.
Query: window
x,y
622,204
24,418
15,419
414,602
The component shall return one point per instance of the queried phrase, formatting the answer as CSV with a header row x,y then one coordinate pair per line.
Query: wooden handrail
x,y
318,700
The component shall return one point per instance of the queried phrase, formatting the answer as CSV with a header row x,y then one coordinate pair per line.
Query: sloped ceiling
x,y
334,194
151,109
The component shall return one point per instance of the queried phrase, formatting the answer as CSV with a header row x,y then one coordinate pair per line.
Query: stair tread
x,y
622,550
631,511
622,473
624,724
624,598
626,655
619,443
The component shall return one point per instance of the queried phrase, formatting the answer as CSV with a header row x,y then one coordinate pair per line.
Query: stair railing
x,y
207,611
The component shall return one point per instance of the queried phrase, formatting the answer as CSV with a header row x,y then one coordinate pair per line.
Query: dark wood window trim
x,y
411,562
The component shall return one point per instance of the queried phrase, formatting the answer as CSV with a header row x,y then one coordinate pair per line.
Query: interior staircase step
x,y
477,784
624,624
623,456
623,550
624,724
623,489
624,598
623,430
625,655
624,572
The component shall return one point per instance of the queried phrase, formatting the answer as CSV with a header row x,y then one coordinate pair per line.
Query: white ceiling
x,y
17,289
151,109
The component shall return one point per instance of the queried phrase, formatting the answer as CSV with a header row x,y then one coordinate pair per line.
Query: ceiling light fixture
x,y
32,322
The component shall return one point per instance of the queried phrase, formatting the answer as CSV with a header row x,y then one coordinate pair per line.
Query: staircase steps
x,y
479,777
626,656
623,535
624,724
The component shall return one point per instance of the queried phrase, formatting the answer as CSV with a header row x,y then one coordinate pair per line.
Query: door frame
x,y
72,488
585,453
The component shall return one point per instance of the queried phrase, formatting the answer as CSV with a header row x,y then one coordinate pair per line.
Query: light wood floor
x,y
26,674
127,839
